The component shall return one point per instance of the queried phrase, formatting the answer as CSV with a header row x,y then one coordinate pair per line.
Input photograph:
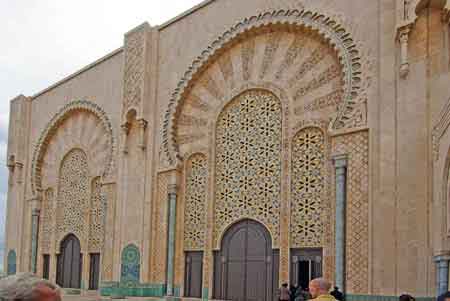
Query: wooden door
x,y
94,271
193,274
46,266
244,270
69,263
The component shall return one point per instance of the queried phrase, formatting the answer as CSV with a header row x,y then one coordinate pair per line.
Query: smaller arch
x,y
267,87
225,230
331,30
11,262
231,228
130,266
245,249
51,129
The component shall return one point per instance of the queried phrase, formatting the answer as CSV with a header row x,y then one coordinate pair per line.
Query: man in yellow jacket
x,y
319,289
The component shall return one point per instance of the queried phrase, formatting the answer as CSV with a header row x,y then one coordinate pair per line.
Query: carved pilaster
x,y
403,37
142,125
19,168
125,131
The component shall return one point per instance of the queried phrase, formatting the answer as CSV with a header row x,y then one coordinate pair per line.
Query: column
x,y
171,238
142,125
125,131
403,36
34,238
441,273
340,163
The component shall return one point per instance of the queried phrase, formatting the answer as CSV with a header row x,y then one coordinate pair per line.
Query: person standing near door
x,y
337,294
319,289
284,292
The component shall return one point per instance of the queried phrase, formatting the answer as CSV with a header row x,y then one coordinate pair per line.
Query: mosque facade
x,y
239,146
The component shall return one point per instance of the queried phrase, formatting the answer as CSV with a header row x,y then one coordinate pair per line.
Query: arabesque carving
x,y
248,164
195,203
308,198
350,69
88,126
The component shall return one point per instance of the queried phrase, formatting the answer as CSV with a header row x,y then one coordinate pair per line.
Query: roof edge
x,y
80,71
185,14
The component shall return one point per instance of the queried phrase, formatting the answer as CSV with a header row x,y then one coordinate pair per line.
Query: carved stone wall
x,y
134,69
195,203
47,216
79,124
356,146
292,61
248,162
97,217
73,196
159,231
309,200
73,153
284,60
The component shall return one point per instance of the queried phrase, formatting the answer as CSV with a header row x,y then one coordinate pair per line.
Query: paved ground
x,y
95,297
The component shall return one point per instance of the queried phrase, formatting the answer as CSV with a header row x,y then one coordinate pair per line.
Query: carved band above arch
x,y
102,145
330,31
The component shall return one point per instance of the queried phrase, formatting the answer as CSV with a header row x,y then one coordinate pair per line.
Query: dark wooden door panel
x,y
69,263
46,267
256,280
243,269
237,246
94,271
235,289
193,274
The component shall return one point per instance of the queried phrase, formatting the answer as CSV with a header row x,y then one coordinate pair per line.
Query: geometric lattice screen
x,y
248,162
97,217
73,195
130,266
308,189
195,204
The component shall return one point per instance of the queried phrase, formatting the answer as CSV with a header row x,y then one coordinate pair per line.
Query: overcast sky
x,y
42,41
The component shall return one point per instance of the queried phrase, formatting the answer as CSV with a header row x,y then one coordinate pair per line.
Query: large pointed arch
x,y
331,31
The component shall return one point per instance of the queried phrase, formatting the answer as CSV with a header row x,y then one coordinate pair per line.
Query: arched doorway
x,y
69,263
245,268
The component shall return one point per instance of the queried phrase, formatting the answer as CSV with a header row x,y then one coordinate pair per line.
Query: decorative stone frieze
x,y
136,84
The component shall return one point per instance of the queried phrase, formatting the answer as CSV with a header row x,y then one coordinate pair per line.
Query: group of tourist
x,y
319,289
